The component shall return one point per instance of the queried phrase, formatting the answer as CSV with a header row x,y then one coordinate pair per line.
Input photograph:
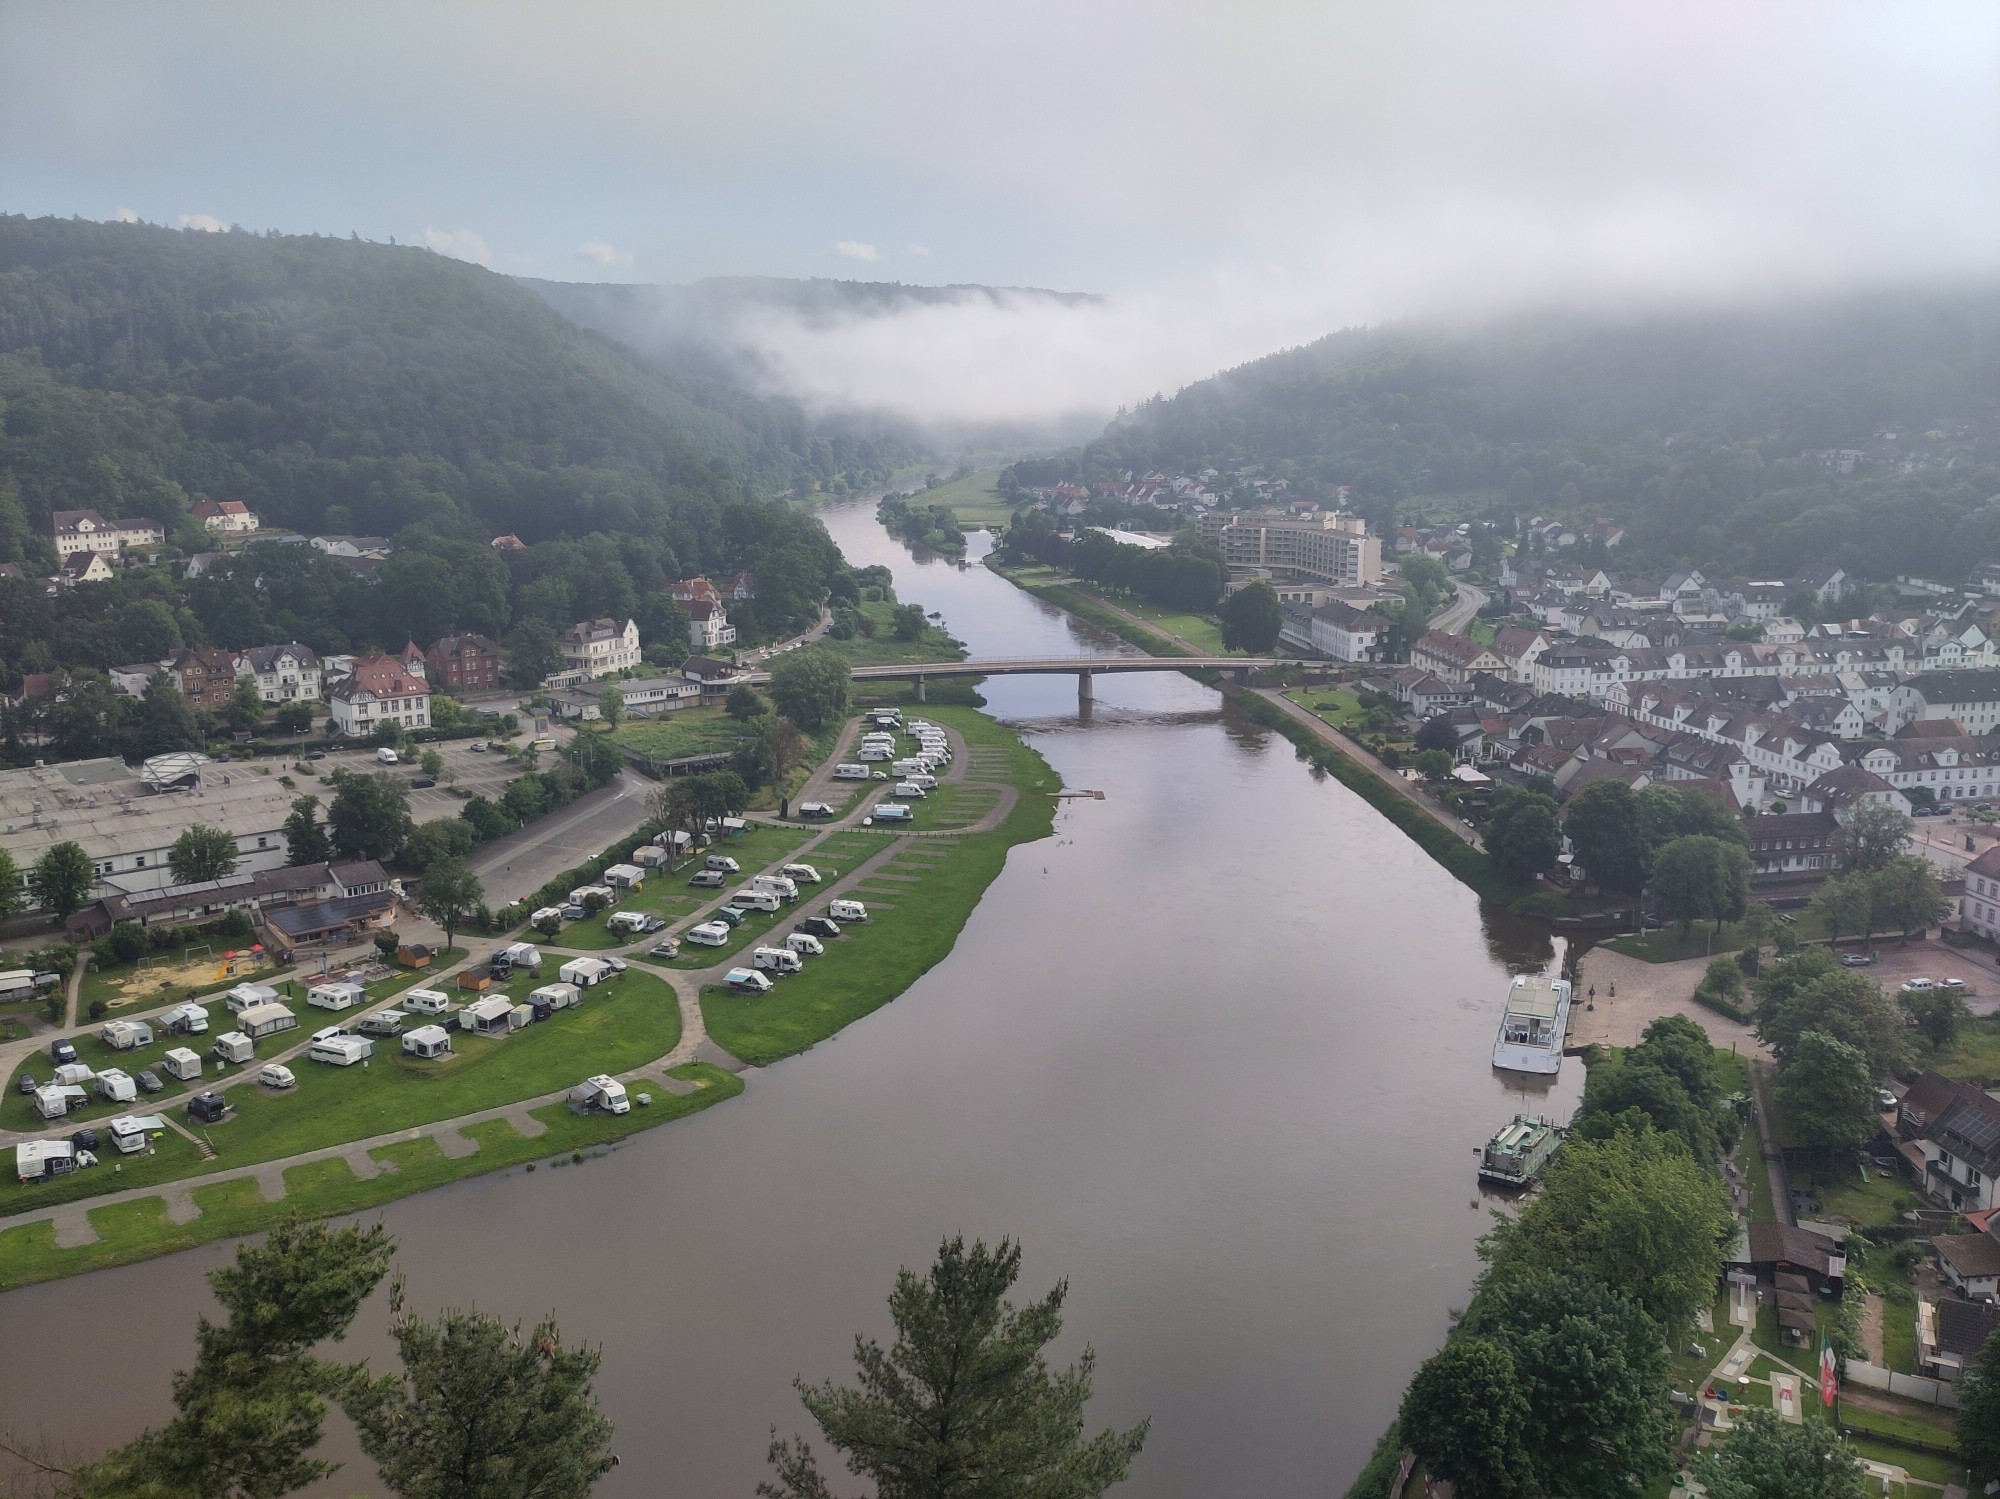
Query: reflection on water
x,y
1521,944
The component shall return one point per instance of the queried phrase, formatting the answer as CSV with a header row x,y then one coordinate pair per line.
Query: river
x,y
1216,1052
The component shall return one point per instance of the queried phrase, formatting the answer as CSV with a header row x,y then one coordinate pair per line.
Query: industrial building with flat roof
x,y
127,820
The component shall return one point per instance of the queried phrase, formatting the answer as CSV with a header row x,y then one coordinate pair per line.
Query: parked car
x,y
276,1075
27,1084
423,783
1918,985
616,965
84,1139
819,926
811,810
61,1053
572,912
670,948
651,924
1957,986
149,1081
1855,960
477,749
1885,1099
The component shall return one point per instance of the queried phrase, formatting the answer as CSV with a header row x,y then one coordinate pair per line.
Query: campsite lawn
x,y
884,649
140,1229
973,499
873,962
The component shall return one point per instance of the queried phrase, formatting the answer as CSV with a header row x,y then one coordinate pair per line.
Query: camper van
x,y
266,1020
850,772
782,884
909,789
243,996
338,996
776,960
209,1108
385,756
233,1046
601,1092
116,1086
893,812
181,1064
872,753
427,1041
722,864
708,879
186,1020
805,874
819,926
276,1076
847,910
426,1001
342,1051
751,898
805,944
709,934
123,1035
381,1023
747,981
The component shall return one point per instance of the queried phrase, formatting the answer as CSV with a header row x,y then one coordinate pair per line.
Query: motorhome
x,y
233,1046
185,1020
427,1042
893,812
336,996
776,960
116,1086
181,1064
426,1001
266,1020
709,934
382,1023
747,981
342,1051
847,910
906,767
243,996
923,780
602,1092
805,874
752,898
123,1035
722,864
872,753
906,789
851,772
781,884
805,944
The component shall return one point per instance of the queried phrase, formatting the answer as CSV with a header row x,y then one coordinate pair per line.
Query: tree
x,y
1667,813
1810,991
1522,834
1700,878
433,842
963,1404
610,705
447,892
1766,1458
1904,895
11,897
250,1411
1847,904
306,841
1437,733
1252,618
1432,765
1870,835
296,718
161,722
246,706
906,622
1463,1415
62,879
1604,827
1978,1425
431,762
531,653
673,808
1936,1014
784,747
743,703
1626,1090
370,815
1635,1211
201,853
481,1412
1827,1092
810,687
446,712
596,758
1591,1366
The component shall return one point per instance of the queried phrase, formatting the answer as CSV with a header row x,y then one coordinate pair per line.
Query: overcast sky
x,y
1237,175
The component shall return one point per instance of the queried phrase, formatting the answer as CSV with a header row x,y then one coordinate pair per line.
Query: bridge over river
x,y
1084,668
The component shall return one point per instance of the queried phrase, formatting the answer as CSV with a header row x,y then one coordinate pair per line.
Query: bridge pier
x,y
1085,692
1242,675
918,683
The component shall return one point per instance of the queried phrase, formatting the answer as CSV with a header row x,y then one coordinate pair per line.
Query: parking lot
x,y
477,774
1933,960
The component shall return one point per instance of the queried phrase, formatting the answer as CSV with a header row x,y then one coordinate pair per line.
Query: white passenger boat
x,y
1537,1020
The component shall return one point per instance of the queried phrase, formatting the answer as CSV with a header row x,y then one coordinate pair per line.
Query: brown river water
x,y
1217,1052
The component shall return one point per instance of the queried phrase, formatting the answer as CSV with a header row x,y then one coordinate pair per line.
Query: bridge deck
x,y
1060,665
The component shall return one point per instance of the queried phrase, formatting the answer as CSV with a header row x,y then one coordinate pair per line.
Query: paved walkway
x,y
1632,994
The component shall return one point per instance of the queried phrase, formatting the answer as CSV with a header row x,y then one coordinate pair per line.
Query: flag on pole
x,y
1829,1384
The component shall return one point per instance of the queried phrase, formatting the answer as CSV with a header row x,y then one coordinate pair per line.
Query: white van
x,y
850,772
722,864
893,812
751,898
778,882
342,1051
847,910
805,944
385,756
923,781
709,934
186,1020
776,960
872,753
909,790
804,872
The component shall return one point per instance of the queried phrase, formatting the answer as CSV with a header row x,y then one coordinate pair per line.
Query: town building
x,y
1979,907
225,517
380,690
1792,843
205,676
1332,547
1948,1134
1456,658
463,663
87,531
287,673
1337,630
598,647
81,567
244,890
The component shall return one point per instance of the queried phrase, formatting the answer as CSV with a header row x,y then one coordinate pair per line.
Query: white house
x,y
87,531
226,517
288,673
379,692
598,647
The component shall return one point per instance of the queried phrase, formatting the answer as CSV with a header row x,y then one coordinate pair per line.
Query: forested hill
x,y
339,386
711,326
297,372
1717,437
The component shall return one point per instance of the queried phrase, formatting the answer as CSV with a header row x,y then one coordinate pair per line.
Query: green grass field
x,y
884,649
872,963
1204,634
140,1229
1335,705
973,499
690,731
1976,1056
1667,945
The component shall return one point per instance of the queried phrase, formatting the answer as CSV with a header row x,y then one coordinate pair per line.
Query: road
x,y
1454,617
521,863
